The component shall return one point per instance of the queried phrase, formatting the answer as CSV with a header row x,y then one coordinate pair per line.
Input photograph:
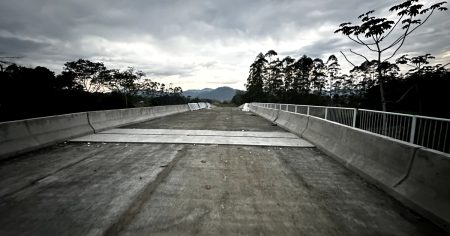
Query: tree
x,y
6,61
269,69
418,71
365,74
255,80
238,98
288,72
275,84
379,36
303,67
124,82
318,77
66,81
92,76
333,69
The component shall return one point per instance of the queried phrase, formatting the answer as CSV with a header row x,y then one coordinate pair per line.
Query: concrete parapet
x,y
17,137
427,186
101,120
293,122
383,160
269,114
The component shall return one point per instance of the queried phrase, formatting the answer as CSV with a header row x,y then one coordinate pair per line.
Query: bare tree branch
x,y
347,59
403,37
367,44
359,55
357,36
392,29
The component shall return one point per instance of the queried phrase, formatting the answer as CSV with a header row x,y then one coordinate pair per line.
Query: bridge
x,y
196,170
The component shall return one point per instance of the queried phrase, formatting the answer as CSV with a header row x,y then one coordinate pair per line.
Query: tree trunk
x,y
419,99
383,99
380,80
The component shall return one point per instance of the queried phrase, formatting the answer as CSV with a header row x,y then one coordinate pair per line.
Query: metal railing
x,y
429,132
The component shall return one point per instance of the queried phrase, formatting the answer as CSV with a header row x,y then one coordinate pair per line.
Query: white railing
x,y
430,132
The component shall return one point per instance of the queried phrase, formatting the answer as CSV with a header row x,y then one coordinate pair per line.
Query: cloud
x,y
190,43
18,47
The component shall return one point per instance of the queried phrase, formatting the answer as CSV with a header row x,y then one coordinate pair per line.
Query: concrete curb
x,y
416,176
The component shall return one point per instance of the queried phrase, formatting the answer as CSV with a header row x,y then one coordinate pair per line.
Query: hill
x,y
219,94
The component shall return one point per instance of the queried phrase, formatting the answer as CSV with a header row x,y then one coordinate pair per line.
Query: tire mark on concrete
x,y
35,181
125,218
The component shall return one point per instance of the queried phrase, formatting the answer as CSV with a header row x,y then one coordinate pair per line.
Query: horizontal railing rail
x,y
429,132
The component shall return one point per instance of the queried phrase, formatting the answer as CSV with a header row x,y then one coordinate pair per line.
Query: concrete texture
x,y
172,189
101,120
427,186
186,132
79,189
226,119
224,190
17,137
382,159
294,122
414,175
195,137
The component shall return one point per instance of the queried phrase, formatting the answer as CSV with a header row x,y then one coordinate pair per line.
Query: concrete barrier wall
x,y
101,120
269,114
427,187
17,137
293,122
384,160
416,176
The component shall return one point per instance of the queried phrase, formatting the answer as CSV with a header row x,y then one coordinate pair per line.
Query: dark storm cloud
x,y
18,47
175,37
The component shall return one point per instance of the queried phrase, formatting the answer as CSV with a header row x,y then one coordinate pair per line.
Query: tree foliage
x,y
315,82
384,36
82,85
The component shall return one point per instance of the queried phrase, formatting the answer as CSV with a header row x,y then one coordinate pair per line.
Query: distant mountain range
x,y
219,94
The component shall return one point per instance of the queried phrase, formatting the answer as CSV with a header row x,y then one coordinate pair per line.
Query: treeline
x,y
422,90
83,85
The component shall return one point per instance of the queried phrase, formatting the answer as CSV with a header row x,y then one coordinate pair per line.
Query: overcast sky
x,y
192,44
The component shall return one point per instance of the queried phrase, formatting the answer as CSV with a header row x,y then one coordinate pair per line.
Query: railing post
x,y
307,110
413,129
355,113
296,109
326,112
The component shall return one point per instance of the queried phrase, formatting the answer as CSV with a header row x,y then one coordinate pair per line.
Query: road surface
x,y
139,188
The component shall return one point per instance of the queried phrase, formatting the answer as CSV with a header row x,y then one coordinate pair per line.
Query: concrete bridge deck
x,y
120,188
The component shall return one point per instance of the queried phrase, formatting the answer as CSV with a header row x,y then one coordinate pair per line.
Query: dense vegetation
x,y
422,90
82,86
377,83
